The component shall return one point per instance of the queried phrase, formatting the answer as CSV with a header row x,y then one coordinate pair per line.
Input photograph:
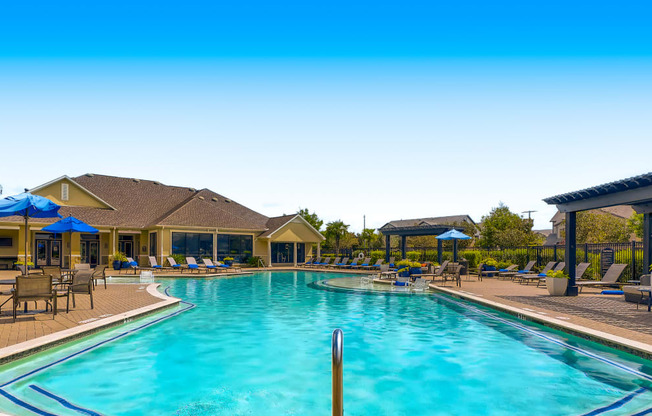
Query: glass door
x,y
41,252
55,253
93,253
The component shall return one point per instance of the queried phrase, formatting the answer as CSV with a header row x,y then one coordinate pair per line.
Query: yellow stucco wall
x,y
296,232
76,195
13,250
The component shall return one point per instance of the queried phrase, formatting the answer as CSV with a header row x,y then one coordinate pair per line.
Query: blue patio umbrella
x,y
453,235
70,225
28,206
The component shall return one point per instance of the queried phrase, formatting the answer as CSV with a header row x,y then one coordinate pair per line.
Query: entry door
x,y
48,252
90,252
55,253
42,252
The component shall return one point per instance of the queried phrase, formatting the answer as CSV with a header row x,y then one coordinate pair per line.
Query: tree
x,y
504,228
335,232
313,219
366,237
635,225
600,227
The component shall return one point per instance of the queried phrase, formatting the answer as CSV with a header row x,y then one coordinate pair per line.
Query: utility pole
x,y
529,214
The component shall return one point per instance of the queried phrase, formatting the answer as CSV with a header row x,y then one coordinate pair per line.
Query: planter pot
x,y
228,262
415,270
125,264
556,286
490,269
116,265
405,273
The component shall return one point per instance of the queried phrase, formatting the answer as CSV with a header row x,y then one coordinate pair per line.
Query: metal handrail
x,y
337,344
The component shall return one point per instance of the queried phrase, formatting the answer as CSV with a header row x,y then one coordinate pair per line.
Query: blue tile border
x,y
62,401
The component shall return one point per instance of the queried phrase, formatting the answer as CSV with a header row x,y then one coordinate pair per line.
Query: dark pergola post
x,y
647,242
571,252
403,244
439,253
387,248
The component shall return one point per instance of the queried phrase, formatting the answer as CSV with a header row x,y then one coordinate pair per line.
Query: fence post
x,y
633,260
554,250
586,252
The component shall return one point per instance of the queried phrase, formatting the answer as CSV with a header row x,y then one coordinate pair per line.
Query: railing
x,y
338,388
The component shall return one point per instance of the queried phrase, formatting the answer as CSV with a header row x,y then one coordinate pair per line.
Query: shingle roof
x,y
144,203
604,189
415,222
275,223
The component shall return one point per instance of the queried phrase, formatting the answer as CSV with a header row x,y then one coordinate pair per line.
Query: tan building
x,y
558,226
146,218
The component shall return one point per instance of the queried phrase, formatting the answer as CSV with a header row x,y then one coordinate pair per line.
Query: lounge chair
x,y
226,266
133,265
365,263
99,274
154,264
514,274
580,269
81,285
208,263
335,261
419,285
352,265
633,294
531,277
376,265
192,265
401,281
306,263
391,261
173,263
507,272
439,272
315,262
610,277
344,261
385,273
325,262
34,288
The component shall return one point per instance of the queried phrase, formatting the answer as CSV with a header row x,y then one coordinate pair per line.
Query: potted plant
x,y
556,282
415,267
490,265
403,267
118,259
228,261
21,262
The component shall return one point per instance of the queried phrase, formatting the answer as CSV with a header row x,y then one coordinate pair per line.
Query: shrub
x,y
178,258
254,261
403,263
377,254
413,255
356,253
491,262
473,257
557,274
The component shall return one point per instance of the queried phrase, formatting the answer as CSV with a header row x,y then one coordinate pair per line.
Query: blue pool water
x,y
260,345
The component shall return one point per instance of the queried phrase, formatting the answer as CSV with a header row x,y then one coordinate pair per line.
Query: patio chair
x,y
455,274
325,262
335,261
419,285
192,264
82,284
376,265
531,277
365,263
315,262
133,265
55,272
401,281
507,272
174,264
352,265
99,274
632,294
215,267
340,263
514,274
154,264
306,263
610,277
34,288
439,272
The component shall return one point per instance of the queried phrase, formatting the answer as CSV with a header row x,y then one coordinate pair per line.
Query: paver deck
x,y
606,313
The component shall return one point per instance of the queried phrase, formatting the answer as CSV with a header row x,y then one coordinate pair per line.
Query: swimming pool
x,y
260,345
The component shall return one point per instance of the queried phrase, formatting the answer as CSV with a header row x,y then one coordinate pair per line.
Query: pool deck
x,y
606,318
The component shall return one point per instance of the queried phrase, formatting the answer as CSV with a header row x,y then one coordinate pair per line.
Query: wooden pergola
x,y
635,192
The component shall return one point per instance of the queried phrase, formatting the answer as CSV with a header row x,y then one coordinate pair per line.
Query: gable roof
x,y
66,177
416,222
276,223
139,203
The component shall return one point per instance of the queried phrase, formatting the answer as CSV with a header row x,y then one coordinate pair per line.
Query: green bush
x,y
178,258
473,257
377,254
413,255
254,261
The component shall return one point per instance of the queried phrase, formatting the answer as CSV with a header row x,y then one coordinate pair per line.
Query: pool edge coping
x,y
33,346
637,348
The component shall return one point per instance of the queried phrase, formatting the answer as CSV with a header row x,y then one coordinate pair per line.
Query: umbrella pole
x,y
26,243
70,250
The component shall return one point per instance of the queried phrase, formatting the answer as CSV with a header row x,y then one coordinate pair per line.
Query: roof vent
x,y
192,189
136,180
201,197
156,183
90,175
227,200
214,199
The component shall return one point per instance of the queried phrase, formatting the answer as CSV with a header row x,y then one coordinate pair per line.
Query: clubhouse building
x,y
144,218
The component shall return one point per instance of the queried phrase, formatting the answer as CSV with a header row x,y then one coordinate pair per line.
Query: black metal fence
x,y
600,256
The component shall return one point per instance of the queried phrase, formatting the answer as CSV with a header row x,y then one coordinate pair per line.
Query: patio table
x,y
647,289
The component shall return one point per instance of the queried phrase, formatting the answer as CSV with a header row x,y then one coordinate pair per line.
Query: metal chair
x,y
82,284
34,288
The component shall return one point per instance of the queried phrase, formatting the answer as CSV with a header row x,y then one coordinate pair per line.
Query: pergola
x,y
635,192
405,231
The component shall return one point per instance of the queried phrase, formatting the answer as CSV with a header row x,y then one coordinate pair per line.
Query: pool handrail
x,y
337,358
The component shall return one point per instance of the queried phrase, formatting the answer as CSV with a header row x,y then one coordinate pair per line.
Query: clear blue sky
x,y
389,109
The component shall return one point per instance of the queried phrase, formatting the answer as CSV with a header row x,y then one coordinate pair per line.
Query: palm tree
x,y
335,230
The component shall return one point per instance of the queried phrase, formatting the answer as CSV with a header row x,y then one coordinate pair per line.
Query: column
x,y
571,252
403,244
647,242
388,248
319,249
439,251
295,254
269,253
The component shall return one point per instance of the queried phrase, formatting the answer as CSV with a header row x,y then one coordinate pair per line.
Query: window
x,y
197,245
6,242
64,192
152,244
240,247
